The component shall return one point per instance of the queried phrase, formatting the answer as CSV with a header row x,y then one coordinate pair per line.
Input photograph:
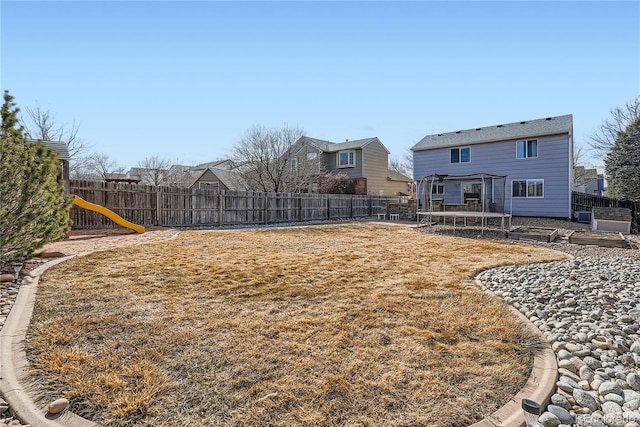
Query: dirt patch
x,y
83,241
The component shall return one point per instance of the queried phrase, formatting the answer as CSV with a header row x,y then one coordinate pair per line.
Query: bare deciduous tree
x,y
100,166
403,166
154,170
577,166
604,138
267,160
42,125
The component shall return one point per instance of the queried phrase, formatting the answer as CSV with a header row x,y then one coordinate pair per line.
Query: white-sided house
x,y
534,155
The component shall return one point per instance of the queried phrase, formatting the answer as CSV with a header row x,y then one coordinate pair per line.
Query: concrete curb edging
x,y
540,386
13,360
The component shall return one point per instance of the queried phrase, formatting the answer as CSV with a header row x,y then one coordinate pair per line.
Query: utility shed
x,y
611,219
62,150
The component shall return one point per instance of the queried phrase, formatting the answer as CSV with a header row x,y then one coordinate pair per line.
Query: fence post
x,y
266,208
328,206
351,207
220,209
158,207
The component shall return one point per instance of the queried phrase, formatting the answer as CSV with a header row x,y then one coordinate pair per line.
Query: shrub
x,y
33,206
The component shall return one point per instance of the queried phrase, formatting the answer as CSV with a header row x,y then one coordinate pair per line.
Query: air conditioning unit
x,y
583,217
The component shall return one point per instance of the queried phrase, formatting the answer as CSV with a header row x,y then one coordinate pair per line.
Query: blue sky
x,y
185,80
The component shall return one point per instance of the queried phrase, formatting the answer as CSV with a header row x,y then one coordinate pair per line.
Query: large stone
x,y
631,416
58,406
564,354
563,415
609,408
589,420
585,399
548,420
586,373
612,397
610,387
568,365
592,362
561,401
6,278
633,380
632,405
635,347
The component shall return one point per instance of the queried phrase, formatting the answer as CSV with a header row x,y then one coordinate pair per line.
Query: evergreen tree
x,y
623,164
33,207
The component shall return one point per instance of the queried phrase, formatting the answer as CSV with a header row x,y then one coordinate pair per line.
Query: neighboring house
x,y
214,178
534,155
220,164
147,176
588,181
361,159
63,156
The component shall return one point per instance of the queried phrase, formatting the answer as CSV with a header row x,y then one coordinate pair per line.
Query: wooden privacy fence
x,y
183,207
586,202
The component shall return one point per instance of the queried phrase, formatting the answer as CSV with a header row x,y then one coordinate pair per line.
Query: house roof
x,y
524,129
57,146
331,147
397,176
231,178
216,163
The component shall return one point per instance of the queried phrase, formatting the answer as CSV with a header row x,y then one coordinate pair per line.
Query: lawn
x,y
340,325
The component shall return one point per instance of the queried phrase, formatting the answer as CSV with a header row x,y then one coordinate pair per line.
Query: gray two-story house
x,y
534,156
366,160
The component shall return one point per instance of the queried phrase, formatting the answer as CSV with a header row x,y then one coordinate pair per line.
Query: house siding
x,y
209,176
330,162
375,167
499,158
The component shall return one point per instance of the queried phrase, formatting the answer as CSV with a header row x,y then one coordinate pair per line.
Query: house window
x,y
312,156
460,155
437,189
346,159
528,188
527,148
294,164
209,185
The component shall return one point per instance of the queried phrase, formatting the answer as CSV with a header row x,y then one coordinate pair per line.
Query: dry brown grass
x,y
343,325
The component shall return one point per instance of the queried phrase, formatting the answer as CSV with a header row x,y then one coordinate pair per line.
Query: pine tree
x,y
33,207
623,164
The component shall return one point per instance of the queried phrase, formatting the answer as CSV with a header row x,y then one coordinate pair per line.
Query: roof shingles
x,y
524,129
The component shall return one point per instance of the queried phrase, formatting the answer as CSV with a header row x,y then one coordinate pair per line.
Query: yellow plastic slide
x,y
79,201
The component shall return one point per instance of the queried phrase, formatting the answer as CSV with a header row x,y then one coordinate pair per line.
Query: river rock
x,y
610,387
561,401
563,415
633,380
58,406
585,399
549,420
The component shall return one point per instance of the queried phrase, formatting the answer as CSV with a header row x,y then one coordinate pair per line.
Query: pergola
x,y
479,195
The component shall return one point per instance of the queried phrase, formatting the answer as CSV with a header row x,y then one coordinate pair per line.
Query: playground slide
x,y
78,201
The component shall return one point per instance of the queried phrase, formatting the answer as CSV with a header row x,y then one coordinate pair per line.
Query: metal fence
x,y
183,207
